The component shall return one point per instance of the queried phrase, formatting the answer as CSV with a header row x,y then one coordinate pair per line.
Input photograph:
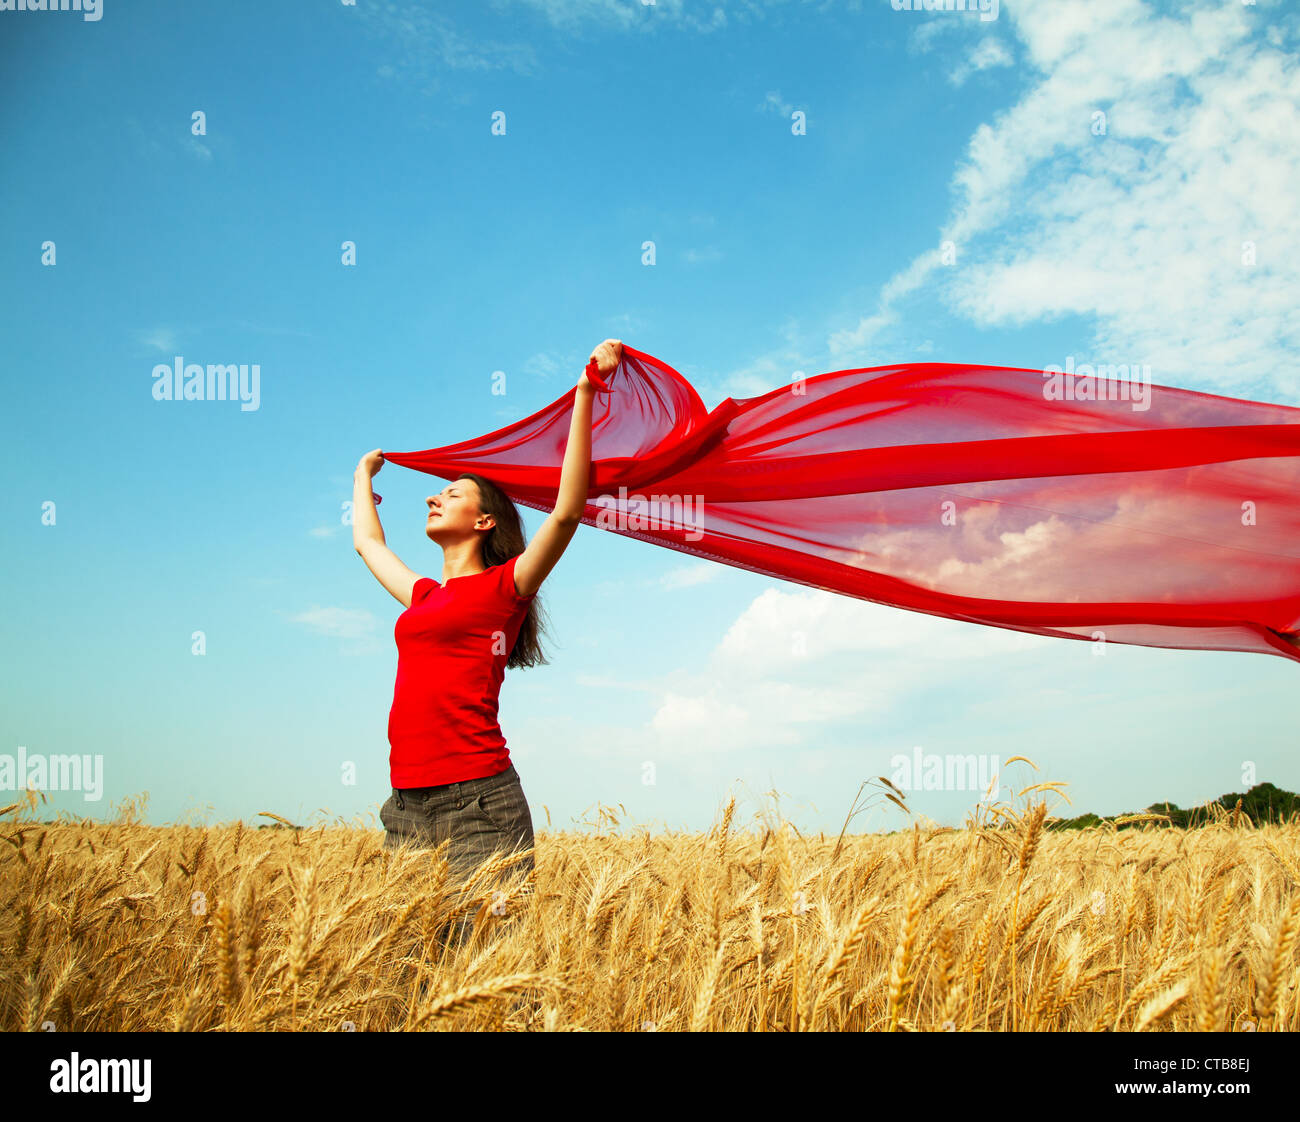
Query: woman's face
x,y
454,512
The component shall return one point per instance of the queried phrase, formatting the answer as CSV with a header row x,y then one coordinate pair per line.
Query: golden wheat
x,y
123,927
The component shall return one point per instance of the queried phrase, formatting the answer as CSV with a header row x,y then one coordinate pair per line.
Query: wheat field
x,y
1003,925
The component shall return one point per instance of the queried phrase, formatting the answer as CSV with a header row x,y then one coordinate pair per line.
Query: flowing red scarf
x,y
1058,503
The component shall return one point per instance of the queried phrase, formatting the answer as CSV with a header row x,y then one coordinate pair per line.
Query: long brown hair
x,y
504,541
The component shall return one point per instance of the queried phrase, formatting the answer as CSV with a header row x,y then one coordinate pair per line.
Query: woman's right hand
x,y
371,462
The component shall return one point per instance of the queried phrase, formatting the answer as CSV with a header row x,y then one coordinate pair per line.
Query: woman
x,y
451,774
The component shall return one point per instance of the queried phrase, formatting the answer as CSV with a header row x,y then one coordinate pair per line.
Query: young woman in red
x,y
451,774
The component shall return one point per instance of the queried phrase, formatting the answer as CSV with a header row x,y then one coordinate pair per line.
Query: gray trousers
x,y
481,817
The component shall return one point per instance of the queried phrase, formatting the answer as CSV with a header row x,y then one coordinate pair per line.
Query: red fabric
x,y
453,643
1174,525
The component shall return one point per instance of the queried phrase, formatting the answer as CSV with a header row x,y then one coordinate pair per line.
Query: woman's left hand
x,y
608,355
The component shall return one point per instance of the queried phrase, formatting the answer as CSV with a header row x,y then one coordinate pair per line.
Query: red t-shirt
x,y
452,646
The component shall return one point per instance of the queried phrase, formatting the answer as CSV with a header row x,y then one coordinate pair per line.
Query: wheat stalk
x,y
1028,847
226,937
1161,1005
1284,942
708,988
900,977
300,936
841,953
1209,994
493,988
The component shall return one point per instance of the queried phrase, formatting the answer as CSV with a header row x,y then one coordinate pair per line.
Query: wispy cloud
x,y
166,338
776,367
161,137
159,338
687,576
852,344
339,623
637,15
421,43
988,54
702,256
545,365
775,103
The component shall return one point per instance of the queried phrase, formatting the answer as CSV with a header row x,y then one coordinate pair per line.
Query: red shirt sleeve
x,y
421,588
507,586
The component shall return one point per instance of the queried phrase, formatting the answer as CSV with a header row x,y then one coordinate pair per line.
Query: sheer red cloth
x,y
1066,505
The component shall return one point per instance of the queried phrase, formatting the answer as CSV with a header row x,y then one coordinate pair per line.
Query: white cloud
x,y
778,367
852,342
796,661
160,338
987,54
545,365
339,623
422,42
776,102
702,256
1142,228
781,630
686,576
622,15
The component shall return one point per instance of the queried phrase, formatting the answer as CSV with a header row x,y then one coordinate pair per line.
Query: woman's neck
x,y
461,562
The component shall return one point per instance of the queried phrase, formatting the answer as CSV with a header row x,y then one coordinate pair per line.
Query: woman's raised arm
x,y
368,534
551,540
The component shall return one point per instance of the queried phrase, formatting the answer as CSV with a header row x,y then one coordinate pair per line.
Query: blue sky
x,y
777,254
